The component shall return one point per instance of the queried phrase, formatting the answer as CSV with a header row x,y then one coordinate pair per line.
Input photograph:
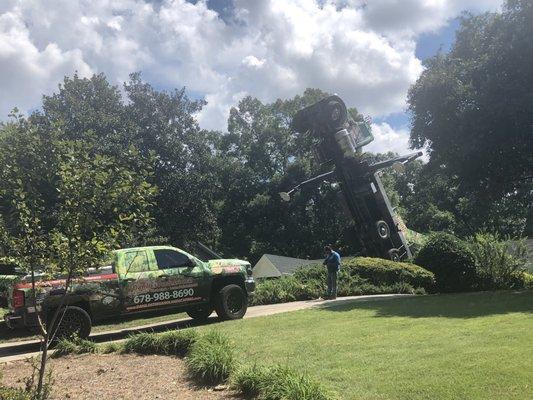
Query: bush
x,y
500,264
451,260
527,278
381,272
175,343
141,343
249,381
211,358
111,347
278,383
74,346
283,290
357,276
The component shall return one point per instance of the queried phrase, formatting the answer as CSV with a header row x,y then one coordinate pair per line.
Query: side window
x,y
136,261
171,259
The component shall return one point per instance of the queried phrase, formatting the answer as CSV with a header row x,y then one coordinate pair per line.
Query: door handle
x,y
163,277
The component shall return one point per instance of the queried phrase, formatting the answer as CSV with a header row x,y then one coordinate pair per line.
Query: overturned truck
x,y
339,139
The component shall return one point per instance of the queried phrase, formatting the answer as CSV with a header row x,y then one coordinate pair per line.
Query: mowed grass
x,y
457,346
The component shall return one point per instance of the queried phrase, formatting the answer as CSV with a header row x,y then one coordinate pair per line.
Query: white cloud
x,y
362,50
388,139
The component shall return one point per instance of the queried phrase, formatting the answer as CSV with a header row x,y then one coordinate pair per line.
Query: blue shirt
x,y
333,261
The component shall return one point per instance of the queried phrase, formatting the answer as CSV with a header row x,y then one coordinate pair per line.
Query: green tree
x,y
259,157
99,204
161,125
472,108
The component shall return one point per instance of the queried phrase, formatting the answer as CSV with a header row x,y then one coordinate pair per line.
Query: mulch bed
x,y
113,377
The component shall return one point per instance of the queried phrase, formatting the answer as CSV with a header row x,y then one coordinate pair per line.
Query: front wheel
x,y
71,321
200,313
231,302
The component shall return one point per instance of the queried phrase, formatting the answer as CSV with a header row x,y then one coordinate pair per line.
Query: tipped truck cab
x,y
139,279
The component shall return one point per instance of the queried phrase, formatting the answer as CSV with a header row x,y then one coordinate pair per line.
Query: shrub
x,y
249,381
278,383
141,343
382,272
527,278
176,343
211,358
357,276
282,290
451,260
112,347
500,264
74,346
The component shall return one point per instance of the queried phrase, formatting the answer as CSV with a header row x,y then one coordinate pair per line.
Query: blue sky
x,y
427,46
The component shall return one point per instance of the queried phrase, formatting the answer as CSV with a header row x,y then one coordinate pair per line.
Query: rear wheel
x,y
231,302
71,321
200,313
394,255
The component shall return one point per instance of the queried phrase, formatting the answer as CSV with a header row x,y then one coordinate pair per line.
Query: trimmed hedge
x,y
451,260
358,276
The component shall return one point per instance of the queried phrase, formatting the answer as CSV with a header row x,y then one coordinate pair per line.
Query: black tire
x,y
231,302
394,255
383,230
335,114
200,313
71,321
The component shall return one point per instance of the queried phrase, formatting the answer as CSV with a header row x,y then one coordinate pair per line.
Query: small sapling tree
x,y
100,202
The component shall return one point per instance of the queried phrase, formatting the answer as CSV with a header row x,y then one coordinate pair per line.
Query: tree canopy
x,y
471,108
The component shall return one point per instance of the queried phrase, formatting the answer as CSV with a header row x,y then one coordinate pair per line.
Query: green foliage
x,y
358,276
278,383
451,260
250,380
111,347
211,358
258,158
500,264
527,278
478,139
385,272
142,343
176,343
74,346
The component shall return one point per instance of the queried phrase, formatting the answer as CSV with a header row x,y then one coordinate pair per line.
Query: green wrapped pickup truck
x,y
138,279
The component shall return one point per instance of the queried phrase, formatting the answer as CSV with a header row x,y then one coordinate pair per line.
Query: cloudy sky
x,y
367,51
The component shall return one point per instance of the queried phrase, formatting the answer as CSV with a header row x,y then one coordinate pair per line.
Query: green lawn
x,y
460,346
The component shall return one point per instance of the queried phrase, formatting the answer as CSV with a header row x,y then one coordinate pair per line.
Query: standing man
x,y
333,264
